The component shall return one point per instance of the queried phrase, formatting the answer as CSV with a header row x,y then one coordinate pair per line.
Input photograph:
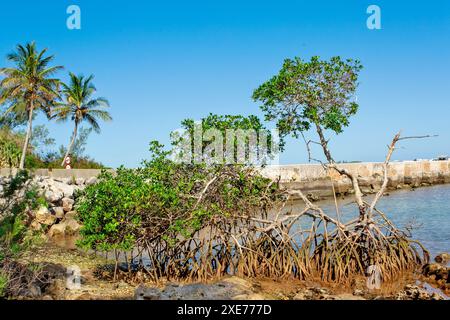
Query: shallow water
x,y
428,209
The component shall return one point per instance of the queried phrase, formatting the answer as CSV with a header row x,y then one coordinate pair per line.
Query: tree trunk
x,y
324,144
27,137
69,149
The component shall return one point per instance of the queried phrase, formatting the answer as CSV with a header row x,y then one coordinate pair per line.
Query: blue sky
x,y
159,63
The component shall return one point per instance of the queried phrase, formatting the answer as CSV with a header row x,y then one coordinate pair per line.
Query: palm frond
x,y
93,122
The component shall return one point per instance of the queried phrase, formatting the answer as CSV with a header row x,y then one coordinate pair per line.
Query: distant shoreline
x,y
312,179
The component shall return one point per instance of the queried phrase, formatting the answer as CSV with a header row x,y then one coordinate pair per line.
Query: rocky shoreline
x,y
56,261
58,222
58,219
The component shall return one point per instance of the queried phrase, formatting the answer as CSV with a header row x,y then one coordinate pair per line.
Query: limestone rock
x,y
250,296
436,271
64,180
53,196
231,288
58,212
44,216
67,204
80,181
347,296
57,230
443,258
66,227
91,180
71,215
66,189
412,292
72,226
35,225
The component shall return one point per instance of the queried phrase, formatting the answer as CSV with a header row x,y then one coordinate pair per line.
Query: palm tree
x,y
80,106
29,86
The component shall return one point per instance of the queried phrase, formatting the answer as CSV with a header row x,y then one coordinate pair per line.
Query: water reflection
x,y
427,209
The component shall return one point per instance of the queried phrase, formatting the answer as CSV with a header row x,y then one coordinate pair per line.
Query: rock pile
x,y
59,216
232,288
438,273
413,292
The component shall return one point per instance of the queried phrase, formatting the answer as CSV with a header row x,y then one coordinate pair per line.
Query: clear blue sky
x,y
159,63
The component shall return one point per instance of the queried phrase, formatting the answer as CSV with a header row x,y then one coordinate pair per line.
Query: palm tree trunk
x,y
69,149
27,137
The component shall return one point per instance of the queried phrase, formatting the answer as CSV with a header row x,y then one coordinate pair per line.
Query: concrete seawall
x,y
315,181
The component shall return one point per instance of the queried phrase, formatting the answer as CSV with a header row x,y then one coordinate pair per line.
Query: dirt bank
x,y
95,287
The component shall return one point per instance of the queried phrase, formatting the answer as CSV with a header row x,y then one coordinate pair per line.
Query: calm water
x,y
427,208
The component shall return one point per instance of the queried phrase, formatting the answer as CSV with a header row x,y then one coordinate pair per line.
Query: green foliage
x,y
9,149
41,140
30,83
165,200
226,129
29,86
16,119
79,146
19,198
109,210
315,93
39,158
4,279
79,103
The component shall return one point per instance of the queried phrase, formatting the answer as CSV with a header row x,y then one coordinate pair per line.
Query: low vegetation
x,y
18,199
197,220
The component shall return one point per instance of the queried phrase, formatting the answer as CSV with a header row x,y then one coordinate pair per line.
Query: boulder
x,y
443,258
35,225
413,292
226,289
71,215
58,212
53,196
347,296
72,226
66,227
80,181
434,269
67,204
64,180
66,189
44,216
91,180
57,230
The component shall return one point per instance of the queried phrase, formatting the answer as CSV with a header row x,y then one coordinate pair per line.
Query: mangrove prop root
x,y
277,245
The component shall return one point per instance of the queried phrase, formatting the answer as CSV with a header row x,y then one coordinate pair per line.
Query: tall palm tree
x,y
80,106
29,86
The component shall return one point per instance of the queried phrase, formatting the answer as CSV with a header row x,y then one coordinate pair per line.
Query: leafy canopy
x,y
230,128
80,104
305,93
30,81
166,201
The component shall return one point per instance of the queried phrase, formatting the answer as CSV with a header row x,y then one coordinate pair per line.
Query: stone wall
x,y
312,178
57,173
316,182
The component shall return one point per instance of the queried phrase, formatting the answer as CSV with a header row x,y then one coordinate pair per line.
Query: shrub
x,y
3,284
18,198
163,207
